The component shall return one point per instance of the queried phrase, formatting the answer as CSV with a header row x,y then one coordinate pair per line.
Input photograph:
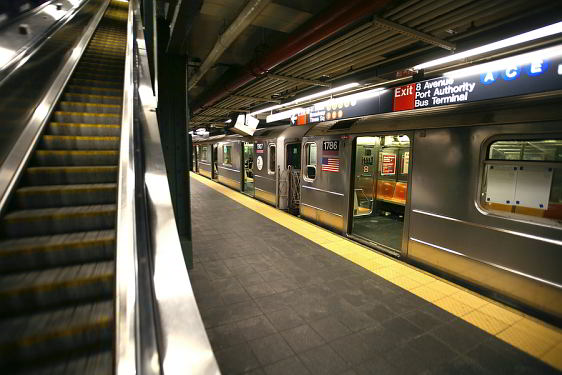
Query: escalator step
x,y
89,107
97,83
45,221
89,98
88,118
84,74
29,291
74,142
94,90
70,175
55,333
45,158
68,128
31,253
65,195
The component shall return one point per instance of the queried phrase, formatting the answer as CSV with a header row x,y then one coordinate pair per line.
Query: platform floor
x,y
279,295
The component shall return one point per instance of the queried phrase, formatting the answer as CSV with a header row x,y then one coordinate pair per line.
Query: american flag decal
x,y
331,164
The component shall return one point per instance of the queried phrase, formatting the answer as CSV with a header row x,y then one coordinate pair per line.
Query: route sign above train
x,y
524,74
529,73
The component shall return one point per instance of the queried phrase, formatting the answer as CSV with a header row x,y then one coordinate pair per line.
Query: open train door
x,y
381,181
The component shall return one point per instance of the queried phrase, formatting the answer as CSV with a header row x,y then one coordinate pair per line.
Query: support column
x,y
172,120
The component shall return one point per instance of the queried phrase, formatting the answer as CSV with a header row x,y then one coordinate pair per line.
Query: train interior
x,y
380,188
248,163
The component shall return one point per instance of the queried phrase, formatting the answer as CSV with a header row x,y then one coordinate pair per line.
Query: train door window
x,y
382,165
294,155
204,150
272,161
310,150
227,154
248,171
522,179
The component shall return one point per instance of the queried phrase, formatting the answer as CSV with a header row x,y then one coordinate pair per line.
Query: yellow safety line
x,y
524,332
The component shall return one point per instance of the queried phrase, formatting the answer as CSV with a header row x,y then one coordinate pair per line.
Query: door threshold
x,y
374,245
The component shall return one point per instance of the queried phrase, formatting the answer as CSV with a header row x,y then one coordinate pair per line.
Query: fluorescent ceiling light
x,y
326,92
517,39
509,62
308,97
284,115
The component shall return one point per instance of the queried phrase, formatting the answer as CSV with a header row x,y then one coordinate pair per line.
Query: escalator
x,y
57,235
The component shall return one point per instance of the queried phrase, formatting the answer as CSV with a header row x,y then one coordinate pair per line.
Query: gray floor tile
x,y
423,320
270,349
289,366
460,335
236,359
224,336
256,327
259,290
330,328
353,348
284,319
302,338
375,365
323,360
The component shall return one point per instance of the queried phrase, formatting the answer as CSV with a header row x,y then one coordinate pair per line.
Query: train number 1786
x,y
331,145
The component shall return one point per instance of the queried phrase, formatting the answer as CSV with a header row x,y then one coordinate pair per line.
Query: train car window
x,y
271,158
311,157
227,154
522,179
294,155
204,150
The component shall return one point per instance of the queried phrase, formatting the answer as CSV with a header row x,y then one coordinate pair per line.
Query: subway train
x,y
470,191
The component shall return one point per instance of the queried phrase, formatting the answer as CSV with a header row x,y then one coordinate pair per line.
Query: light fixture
x,y
514,61
284,115
228,121
308,97
542,32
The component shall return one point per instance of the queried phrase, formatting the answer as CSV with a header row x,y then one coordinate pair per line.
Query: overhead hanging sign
x,y
534,72
503,78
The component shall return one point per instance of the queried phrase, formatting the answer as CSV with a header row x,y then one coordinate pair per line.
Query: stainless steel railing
x,y
181,345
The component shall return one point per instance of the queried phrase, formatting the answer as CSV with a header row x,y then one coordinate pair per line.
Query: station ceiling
x,y
375,47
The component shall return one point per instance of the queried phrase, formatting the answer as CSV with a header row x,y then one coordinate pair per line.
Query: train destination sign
x,y
534,72
471,84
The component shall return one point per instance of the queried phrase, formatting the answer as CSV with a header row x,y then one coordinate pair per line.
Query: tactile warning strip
x,y
530,335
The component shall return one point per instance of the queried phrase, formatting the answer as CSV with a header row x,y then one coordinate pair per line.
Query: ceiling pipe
x,y
325,24
244,19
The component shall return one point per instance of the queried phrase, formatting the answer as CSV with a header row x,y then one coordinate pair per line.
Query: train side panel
x,y
451,231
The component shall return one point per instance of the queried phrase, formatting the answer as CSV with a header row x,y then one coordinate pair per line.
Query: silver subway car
x,y
473,191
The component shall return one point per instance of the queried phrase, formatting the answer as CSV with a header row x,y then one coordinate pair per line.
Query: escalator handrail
x,y
183,345
126,283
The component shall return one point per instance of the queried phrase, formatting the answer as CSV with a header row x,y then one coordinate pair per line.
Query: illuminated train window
x,y
204,150
227,154
271,158
523,180
310,150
